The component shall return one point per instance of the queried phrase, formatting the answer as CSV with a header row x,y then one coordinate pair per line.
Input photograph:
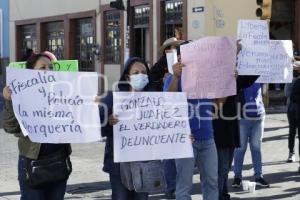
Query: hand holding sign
x,y
177,69
7,93
113,119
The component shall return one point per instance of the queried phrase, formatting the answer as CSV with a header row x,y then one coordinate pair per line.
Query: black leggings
x,y
293,115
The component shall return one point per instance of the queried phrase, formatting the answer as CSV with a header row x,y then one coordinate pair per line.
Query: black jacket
x,y
295,94
226,131
157,73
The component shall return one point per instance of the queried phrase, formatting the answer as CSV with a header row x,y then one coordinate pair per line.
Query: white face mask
x,y
138,81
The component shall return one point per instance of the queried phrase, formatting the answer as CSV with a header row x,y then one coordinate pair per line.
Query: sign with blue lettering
x,y
152,126
198,9
55,107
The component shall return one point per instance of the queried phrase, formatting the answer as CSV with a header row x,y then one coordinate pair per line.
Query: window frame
x,y
119,31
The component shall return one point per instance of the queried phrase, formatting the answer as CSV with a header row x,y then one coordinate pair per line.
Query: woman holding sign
x,y
134,78
205,152
43,169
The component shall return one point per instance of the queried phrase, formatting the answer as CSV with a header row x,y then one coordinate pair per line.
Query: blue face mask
x,y
138,81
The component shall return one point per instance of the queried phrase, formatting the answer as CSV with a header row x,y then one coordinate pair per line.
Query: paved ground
x,y
89,182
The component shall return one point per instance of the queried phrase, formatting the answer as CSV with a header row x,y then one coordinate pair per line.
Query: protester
x,y
136,73
251,129
158,71
52,164
205,153
295,100
227,133
292,117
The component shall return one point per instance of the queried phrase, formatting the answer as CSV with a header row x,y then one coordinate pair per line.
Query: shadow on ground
x,y
275,178
9,193
84,188
275,128
250,166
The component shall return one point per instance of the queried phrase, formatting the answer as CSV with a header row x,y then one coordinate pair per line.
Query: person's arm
x,y
105,110
177,71
10,122
173,87
7,93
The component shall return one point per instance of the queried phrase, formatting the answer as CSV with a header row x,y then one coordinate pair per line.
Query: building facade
x,y
76,29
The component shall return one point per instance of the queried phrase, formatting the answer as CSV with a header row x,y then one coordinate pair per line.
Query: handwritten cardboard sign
x,y
281,67
60,65
255,30
209,68
55,107
152,126
171,59
254,58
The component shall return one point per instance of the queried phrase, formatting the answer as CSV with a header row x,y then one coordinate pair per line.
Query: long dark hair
x,y
123,86
31,62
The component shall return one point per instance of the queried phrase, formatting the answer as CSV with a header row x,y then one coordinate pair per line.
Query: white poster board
x,y
254,58
55,107
152,126
281,70
171,59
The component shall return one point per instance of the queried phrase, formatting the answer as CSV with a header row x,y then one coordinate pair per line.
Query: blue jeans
x,y
170,173
55,191
120,192
184,178
225,158
250,131
205,156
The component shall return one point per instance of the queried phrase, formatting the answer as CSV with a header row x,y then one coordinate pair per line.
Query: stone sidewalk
x,y
89,182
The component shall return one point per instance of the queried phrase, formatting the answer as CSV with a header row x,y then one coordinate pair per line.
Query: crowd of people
x,y
217,141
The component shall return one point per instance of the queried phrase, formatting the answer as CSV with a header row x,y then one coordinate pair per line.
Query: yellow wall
x,y
196,20
27,9
222,16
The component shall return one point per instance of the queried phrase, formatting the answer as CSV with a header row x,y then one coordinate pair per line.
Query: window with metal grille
x,y
112,27
141,34
173,19
141,16
84,43
55,39
28,37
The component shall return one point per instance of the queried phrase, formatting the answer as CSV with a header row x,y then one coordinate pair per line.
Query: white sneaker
x,y
291,158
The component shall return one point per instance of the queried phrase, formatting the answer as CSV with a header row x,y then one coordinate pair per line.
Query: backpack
x,y
147,177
